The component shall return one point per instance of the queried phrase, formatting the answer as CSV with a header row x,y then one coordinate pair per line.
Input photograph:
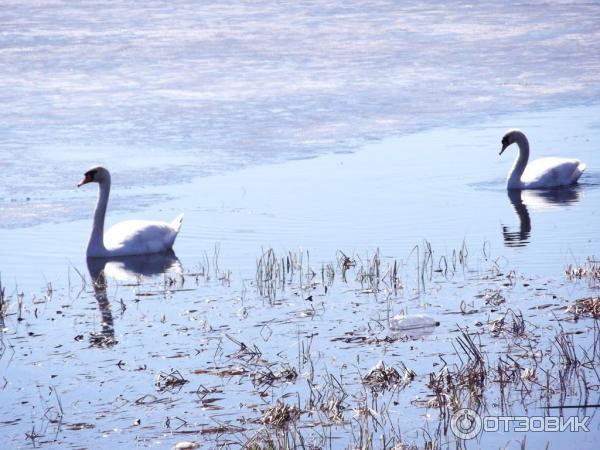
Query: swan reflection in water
x,y
124,268
536,199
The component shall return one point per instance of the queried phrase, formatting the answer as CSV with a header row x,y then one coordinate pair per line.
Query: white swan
x,y
541,173
132,237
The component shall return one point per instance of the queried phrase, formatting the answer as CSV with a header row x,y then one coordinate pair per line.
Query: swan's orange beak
x,y
86,179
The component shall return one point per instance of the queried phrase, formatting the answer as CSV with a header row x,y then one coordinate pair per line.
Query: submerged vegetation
x,y
359,352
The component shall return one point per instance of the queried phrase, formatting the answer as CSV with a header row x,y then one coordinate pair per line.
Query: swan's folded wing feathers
x,y
143,236
552,171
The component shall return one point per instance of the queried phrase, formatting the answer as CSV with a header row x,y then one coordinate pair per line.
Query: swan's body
x,y
131,237
540,173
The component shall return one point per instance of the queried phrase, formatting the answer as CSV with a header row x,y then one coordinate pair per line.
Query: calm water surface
x,y
446,186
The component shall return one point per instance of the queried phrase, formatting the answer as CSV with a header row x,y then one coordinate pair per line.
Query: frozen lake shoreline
x,y
387,195
182,90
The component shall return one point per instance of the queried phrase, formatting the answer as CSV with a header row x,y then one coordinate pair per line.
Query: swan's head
x,y
510,137
96,174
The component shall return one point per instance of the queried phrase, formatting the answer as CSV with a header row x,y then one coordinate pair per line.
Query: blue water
x,y
445,185
319,126
172,95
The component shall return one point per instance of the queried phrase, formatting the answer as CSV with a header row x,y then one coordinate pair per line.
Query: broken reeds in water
x,y
281,375
585,307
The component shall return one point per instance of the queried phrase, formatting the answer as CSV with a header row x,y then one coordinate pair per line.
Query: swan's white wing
x,y
552,172
136,237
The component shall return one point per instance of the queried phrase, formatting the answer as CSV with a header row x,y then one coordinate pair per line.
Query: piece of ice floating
x,y
413,327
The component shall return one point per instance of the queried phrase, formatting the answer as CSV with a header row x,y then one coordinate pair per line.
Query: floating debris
x,y
79,426
494,298
529,375
102,340
511,323
586,307
268,377
280,415
498,356
413,327
167,381
334,409
186,445
223,371
590,270
381,377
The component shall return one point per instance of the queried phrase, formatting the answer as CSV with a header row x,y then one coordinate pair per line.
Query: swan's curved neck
x,y
96,242
514,176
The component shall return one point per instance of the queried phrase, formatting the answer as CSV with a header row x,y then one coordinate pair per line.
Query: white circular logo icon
x,y
465,423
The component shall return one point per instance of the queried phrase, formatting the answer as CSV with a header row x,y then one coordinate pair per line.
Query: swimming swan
x,y
131,237
541,173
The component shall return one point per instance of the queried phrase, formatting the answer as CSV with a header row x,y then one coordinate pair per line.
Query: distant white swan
x,y
131,237
540,173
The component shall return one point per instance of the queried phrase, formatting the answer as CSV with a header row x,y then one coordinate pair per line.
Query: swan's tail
x,y
176,224
578,172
